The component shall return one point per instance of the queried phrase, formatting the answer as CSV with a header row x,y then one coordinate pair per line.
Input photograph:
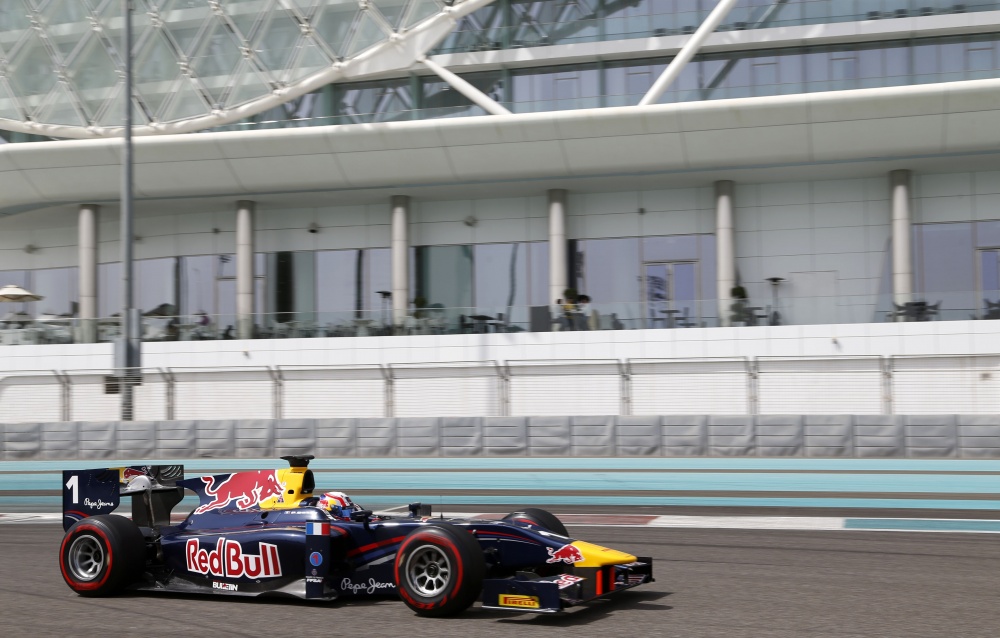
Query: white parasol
x,y
16,293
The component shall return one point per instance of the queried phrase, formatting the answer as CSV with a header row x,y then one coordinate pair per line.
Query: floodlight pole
x,y
128,355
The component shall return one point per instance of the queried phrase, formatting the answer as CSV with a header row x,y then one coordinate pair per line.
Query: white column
x,y
87,240
400,255
244,269
725,248
902,254
558,275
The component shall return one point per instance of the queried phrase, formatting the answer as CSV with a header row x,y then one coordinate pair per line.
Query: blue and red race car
x,y
265,532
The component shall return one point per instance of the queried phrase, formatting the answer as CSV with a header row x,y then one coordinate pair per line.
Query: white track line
x,y
46,517
750,522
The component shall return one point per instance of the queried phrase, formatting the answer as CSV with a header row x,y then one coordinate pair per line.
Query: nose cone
x,y
597,556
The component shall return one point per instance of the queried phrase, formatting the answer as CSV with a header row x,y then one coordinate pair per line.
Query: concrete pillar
x,y
902,252
244,269
87,240
558,275
725,248
400,255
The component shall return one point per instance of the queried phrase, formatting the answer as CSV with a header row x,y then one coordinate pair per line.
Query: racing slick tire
x,y
439,570
102,554
539,518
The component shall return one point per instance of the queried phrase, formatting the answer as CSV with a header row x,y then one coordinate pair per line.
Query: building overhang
x,y
936,125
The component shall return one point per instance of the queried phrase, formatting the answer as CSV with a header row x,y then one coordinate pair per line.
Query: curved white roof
x,y
198,63
834,135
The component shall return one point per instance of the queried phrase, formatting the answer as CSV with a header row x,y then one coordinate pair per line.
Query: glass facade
x,y
714,76
332,287
61,291
63,63
618,284
957,265
190,58
773,72
307,285
507,24
443,276
671,278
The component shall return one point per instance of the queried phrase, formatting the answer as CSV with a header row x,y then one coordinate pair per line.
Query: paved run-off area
x,y
725,583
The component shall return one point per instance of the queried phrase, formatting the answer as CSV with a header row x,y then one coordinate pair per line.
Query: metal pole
x,y
479,98
690,48
129,353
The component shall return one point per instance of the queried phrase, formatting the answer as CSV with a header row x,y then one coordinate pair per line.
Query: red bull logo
x,y
227,560
130,473
565,554
244,489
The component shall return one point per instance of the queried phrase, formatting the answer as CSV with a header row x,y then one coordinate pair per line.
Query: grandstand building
x,y
393,181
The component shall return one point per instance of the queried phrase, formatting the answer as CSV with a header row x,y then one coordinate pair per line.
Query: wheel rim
x,y
428,571
86,558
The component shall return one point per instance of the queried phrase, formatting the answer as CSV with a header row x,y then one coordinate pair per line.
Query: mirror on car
x,y
361,516
419,510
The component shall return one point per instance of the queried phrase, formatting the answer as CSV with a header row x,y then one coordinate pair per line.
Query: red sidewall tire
x,y
123,551
468,568
539,518
85,587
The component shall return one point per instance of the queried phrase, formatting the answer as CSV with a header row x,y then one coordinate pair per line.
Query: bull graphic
x,y
130,473
245,488
565,554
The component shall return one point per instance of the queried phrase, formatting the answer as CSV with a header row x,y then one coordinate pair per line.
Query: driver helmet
x,y
337,503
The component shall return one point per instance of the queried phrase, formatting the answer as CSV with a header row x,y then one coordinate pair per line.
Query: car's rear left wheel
x,y
102,554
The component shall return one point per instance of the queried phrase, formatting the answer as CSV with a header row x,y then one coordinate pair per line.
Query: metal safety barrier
x,y
823,436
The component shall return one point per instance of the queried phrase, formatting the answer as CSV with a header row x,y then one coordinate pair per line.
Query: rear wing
x,y
153,489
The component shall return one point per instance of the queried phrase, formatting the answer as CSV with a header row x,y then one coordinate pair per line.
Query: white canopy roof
x,y
198,63
931,126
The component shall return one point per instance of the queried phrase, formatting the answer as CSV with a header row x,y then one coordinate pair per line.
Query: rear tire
x,y
538,518
101,555
439,570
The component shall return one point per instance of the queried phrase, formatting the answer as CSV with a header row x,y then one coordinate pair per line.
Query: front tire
x,y
538,518
102,554
439,570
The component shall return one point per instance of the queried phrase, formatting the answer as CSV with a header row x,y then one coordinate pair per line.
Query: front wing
x,y
553,594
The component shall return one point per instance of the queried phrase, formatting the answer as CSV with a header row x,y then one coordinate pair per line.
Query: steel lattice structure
x,y
199,63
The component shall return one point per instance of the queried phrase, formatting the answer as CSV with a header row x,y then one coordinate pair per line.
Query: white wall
x,y
827,239
679,211
884,339
54,235
956,197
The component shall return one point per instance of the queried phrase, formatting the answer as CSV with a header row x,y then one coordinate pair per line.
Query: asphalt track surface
x,y
726,583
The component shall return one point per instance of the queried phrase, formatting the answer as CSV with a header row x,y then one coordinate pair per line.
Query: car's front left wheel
x,y
439,570
538,518
102,554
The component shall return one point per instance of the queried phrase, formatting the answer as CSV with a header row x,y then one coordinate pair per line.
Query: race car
x,y
265,533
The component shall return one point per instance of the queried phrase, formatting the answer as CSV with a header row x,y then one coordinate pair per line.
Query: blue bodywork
x,y
307,552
